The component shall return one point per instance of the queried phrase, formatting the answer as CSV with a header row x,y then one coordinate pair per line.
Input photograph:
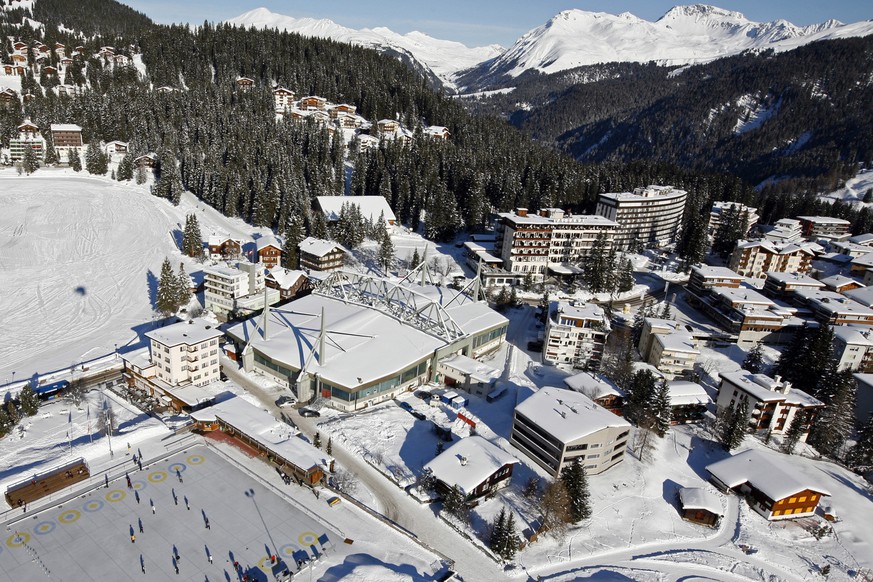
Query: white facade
x,y
535,243
575,335
240,289
650,215
674,354
719,208
186,353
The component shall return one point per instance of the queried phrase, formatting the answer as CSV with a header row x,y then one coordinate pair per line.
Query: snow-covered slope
x,y
685,34
442,57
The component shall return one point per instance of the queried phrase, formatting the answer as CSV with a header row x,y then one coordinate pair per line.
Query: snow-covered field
x,y
80,257
854,190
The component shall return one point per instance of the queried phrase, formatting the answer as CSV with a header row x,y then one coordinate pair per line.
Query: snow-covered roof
x,y
267,241
865,239
677,342
832,302
657,322
318,247
592,386
766,472
259,425
824,220
863,295
219,239
371,207
285,278
593,220
684,393
65,127
699,498
777,248
646,193
478,371
710,271
567,415
760,386
794,279
837,281
864,260
188,332
853,335
469,462
743,295
577,311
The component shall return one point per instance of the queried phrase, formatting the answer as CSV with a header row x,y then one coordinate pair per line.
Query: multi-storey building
x,y
650,216
755,258
539,244
705,277
474,465
784,230
674,354
321,255
240,290
575,335
269,251
772,403
853,348
282,98
824,227
554,427
28,137
784,284
747,313
66,135
185,353
749,214
834,308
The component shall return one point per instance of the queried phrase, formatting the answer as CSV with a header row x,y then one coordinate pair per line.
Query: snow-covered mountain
x,y
442,58
684,35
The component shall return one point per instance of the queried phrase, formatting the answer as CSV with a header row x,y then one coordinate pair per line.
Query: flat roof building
x,y
650,216
555,426
575,335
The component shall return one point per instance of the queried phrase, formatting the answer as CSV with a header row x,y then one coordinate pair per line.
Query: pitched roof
x,y
683,393
766,472
318,247
285,278
592,386
188,332
268,241
567,415
469,462
699,498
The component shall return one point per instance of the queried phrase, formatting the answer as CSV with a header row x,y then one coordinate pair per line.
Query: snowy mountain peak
x,y
702,11
442,58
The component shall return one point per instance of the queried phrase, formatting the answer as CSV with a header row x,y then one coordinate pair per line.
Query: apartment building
x,y
549,242
783,285
756,258
238,290
321,255
28,137
575,335
555,426
834,308
650,215
824,227
853,348
674,354
784,230
185,353
705,277
720,208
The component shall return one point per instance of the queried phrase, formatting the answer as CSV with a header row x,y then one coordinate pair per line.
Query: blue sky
x,y
481,22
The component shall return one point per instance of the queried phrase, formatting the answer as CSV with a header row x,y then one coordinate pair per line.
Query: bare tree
x,y
554,504
106,422
344,481
76,391
644,444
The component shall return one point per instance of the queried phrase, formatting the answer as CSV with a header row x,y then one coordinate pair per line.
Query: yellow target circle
x,y
307,538
44,527
195,459
69,516
158,476
94,505
115,495
18,539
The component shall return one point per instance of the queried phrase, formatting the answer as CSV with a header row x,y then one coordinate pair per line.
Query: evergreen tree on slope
x,y
860,456
167,299
835,423
576,483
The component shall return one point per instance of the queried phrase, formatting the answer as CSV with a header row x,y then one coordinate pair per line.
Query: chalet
x,y
283,97
290,283
8,98
700,506
148,160
554,427
474,465
312,102
341,109
321,255
13,69
772,403
224,247
66,61
688,402
269,251
348,121
437,132
60,49
245,82
49,70
121,60
28,138
116,148
841,283
599,389
370,207
19,45
28,129
386,126
772,488
278,442
367,142
66,135
18,58
165,89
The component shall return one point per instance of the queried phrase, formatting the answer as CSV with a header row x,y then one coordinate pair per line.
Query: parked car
x,y
422,394
309,413
285,401
405,406
535,346
418,415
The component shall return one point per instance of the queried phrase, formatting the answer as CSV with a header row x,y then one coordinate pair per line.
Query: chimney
x,y
463,461
521,211
786,388
777,378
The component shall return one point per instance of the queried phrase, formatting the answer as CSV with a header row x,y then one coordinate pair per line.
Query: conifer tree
x,y
666,312
167,298
498,532
510,546
29,160
386,251
125,169
860,456
794,432
28,400
835,423
192,240
95,159
641,392
5,422
734,426
12,412
662,412
291,250
75,159
51,154
316,442
329,448
576,483
640,316
692,243
183,287
730,230
416,259
455,503
625,280
754,361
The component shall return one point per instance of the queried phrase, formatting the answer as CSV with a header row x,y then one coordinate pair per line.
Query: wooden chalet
x,y
148,160
245,82
699,505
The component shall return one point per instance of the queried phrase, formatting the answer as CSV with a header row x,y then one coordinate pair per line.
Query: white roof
x,y
285,278
478,371
65,127
824,220
193,331
645,193
318,247
483,459
708,271
863,295
567,415
268,240
699,498
363,344
833,302
584,311
864,260
744,295
592,386
862,239
677,342
794,278
371,207
259,425
766,472
594,220
683,393
766,389
778,248
835,281
853,335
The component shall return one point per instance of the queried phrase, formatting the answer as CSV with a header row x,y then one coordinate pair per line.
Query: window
x,y
802,499
596,456
792,500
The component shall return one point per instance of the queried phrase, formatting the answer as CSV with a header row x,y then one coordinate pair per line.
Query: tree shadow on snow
x,y
704,452
178,237
152,281
364,561
670,492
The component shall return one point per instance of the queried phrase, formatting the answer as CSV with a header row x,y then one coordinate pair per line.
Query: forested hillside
x,y
801,120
